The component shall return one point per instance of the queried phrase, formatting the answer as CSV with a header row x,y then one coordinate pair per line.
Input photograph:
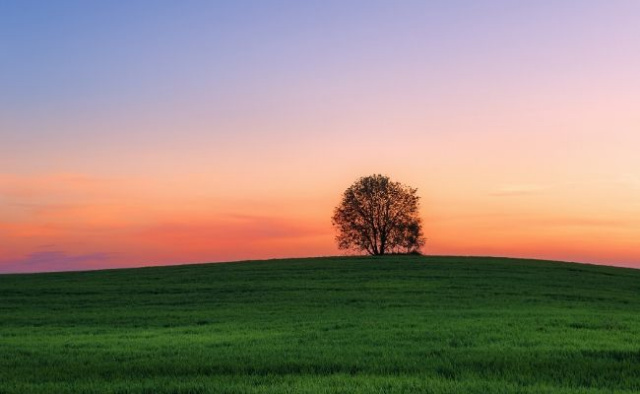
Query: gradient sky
x,y
157,132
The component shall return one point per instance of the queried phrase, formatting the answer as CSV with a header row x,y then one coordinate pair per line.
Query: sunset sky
x,y
159,132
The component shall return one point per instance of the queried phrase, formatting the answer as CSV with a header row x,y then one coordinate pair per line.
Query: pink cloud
x,y
56,260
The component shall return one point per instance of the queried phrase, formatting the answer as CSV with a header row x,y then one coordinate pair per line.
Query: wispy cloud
x,y
21,188
56,260
629,180
594,222
518,190
233,227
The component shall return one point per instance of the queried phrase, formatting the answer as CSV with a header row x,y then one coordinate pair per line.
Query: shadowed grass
x,y
371,325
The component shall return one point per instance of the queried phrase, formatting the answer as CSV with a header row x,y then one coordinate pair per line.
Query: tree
x,y
379,216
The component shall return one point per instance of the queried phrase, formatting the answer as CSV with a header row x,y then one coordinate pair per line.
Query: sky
x,y
164,132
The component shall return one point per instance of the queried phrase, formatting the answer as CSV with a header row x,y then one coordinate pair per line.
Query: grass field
x,y
371,325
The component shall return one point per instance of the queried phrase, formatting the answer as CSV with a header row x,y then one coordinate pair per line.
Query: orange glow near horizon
x,y
86,223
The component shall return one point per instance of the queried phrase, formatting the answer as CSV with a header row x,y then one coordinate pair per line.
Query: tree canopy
x,y
379,216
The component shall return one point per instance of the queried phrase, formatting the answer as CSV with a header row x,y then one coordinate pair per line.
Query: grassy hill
x,y
371,325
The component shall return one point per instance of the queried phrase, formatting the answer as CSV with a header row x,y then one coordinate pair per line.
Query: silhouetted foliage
x,y
379,216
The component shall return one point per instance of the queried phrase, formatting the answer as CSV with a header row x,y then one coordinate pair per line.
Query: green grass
x,y
394,324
